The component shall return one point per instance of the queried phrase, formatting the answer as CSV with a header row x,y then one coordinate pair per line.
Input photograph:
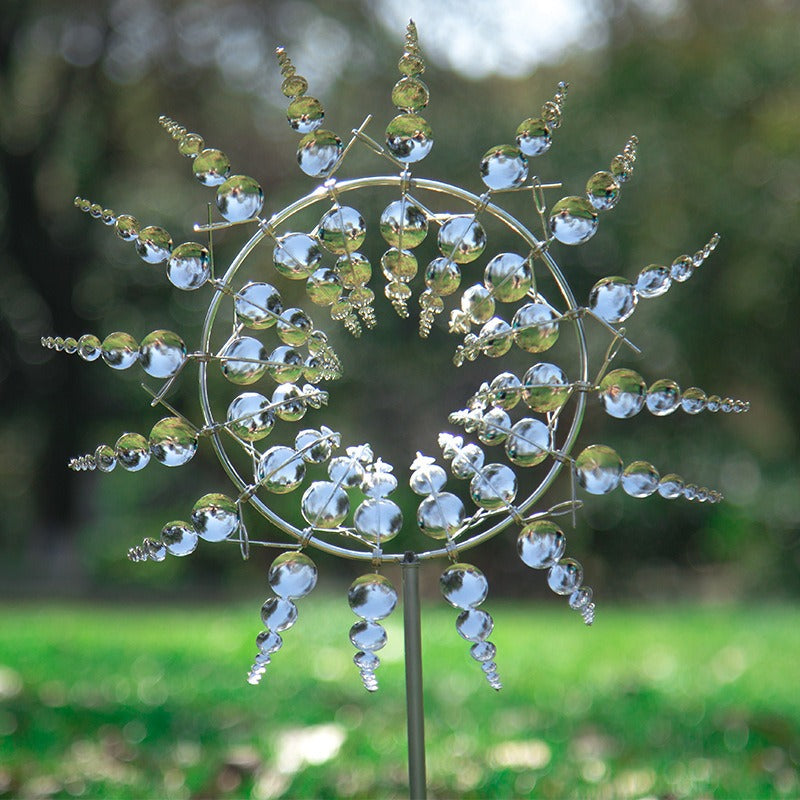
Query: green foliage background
x,y
709,87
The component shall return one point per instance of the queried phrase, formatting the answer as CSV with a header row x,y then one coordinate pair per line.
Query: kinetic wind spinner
x,y
509,424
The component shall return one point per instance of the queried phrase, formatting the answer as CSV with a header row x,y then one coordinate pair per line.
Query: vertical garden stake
x,y
413,665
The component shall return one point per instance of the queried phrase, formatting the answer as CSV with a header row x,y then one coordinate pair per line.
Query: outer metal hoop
x,y
322,194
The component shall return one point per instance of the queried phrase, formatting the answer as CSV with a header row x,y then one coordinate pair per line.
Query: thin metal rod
x,y
417,789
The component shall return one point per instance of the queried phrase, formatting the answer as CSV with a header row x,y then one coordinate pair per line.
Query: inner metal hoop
x,y
325,193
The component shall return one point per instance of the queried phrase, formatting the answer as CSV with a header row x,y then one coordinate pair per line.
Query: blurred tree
x,y
709,87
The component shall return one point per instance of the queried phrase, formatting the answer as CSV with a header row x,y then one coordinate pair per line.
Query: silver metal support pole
x,y
417,789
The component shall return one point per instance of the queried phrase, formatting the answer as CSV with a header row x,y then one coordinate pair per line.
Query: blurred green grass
x,y
151,702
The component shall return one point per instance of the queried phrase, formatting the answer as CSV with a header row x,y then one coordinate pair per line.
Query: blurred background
x,y
658,699
709,87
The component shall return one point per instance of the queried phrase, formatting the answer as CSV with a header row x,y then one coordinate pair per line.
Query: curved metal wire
x,y
322,193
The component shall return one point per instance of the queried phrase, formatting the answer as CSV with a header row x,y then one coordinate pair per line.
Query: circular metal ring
x,y
321,194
